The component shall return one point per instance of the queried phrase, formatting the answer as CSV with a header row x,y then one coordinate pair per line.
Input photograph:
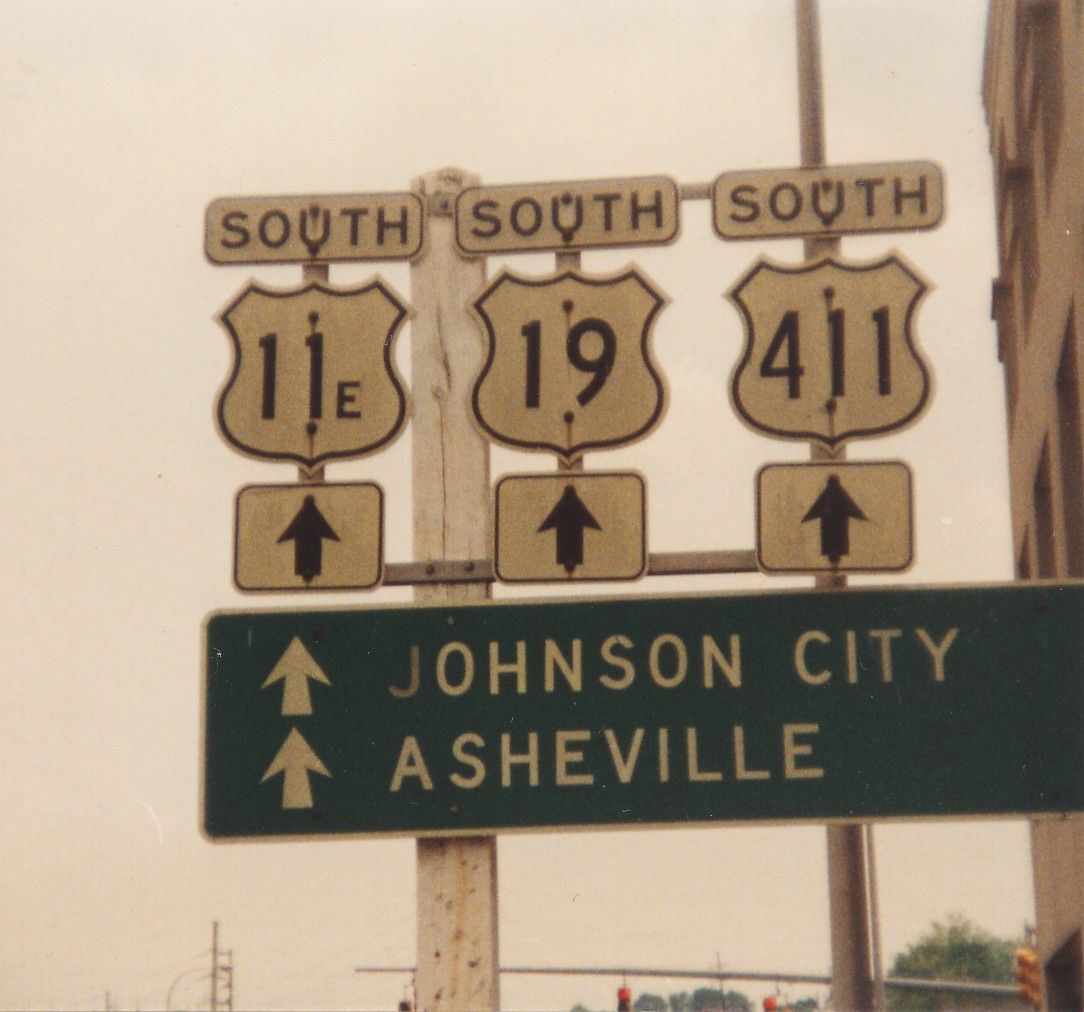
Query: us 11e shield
x,y
314,377
569,365
830,353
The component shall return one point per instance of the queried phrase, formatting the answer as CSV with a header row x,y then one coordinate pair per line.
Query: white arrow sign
x,y
294,669
295,760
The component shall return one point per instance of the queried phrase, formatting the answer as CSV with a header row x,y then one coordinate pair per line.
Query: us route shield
x,y
830,353
569,366
314,375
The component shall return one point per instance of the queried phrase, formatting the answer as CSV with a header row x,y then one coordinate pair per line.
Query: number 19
x,y
598,367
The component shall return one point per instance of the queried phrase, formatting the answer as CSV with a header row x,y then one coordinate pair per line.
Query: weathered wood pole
x,y
457,960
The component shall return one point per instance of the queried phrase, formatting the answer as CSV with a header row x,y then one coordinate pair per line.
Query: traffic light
x,y
624,999
1026,967
770,1004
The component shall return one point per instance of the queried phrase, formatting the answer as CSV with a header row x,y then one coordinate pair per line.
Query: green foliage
x,y
704,998
958,950
650,1003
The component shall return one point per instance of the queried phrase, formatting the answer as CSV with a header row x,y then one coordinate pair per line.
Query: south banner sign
x,y
314,228
314,375
828,200
810,705
584,214
830,351
569,366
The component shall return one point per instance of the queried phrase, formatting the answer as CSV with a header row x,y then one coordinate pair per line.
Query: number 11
x,y
269,346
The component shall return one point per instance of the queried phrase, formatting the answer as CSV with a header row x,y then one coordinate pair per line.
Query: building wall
x,y
1033,90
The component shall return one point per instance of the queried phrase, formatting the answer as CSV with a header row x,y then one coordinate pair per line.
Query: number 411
x,y
786,343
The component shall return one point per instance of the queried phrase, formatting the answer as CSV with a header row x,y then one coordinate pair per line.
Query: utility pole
x,y
458,967
227,978
852,986
221,970
214,967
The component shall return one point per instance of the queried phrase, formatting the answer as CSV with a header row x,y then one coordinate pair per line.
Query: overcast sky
x,y
121,121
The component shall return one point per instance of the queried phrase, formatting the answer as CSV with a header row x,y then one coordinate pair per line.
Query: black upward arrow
x,y
569,518
307,531
835,509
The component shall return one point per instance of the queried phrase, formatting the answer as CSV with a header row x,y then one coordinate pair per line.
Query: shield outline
x,y
375,283
576,450
922,288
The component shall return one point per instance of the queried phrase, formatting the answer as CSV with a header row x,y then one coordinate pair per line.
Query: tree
x,y
958,950
705,998
650,1003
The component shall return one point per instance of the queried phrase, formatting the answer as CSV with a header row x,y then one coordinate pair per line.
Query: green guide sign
x,y
815,705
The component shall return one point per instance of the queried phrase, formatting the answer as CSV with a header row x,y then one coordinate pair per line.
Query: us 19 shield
x,y
569,365
830,352
314,378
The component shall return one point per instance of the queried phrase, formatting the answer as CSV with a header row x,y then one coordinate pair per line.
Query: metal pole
x,y
852,988
214,967
999,991
458,967
874,922
227,969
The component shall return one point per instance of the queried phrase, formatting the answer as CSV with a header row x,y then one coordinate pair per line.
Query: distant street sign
x,y
568,527
318,227
808,705
834,517
309,537
569,366
832,200
314,377
830,353
584,214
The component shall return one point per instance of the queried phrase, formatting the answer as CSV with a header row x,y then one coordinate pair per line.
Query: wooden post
x,y
457,961
852,986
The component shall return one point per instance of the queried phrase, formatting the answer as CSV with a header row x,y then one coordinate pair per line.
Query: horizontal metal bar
x,y
956,986
775,978
900,983
621,971
399,574
695,191
691,563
